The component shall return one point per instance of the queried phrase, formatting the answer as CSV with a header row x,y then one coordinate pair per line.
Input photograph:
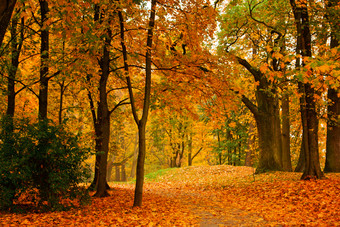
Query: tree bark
x,y
269,131
302,157
249,160
333,124
16,45
44,55
307,103
333,133
141,123
286,160
134,161
117,173
267,118
6,11
190,150
103,119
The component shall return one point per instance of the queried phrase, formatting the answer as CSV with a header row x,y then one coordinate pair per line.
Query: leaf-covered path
x,y
206,196
207,205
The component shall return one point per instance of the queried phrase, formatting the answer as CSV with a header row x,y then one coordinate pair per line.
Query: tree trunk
x,y
141,123
269,133
302,157
16,45
333,133
123,173
103,118
109,171
6,10
249,161
333,124
307,103
134,161
286,160
117,175
190,149
44,55
140,166
267,118
310,125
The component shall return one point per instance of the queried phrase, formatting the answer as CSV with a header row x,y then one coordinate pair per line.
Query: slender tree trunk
x,y
123,173
249,161
61,99
141,123
140,166
44,53
117,173
16,45
302,157
286,160
190,150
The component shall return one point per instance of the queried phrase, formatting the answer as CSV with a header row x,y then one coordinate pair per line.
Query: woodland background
x,y
143,86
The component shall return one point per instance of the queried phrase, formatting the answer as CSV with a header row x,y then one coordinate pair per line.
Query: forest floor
x,y
206,196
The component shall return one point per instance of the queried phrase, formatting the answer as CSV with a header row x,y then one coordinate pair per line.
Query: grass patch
x,y
154,176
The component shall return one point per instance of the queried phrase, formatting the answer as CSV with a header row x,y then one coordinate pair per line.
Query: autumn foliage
x,y
191,196
218,100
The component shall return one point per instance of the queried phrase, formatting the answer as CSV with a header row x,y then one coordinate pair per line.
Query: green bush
x,y
41,159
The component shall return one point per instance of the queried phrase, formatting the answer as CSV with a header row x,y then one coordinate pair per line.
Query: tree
x,y
17,37
6,10
307,103
141,122
333,123
261,28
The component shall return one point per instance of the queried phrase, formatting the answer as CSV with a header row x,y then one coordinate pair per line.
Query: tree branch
x,y
122,102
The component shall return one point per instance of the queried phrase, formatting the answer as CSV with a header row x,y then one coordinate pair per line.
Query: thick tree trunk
x,y
333,125
269,133
310,125
267,118
6,10
103,118
286,160
307,103
333,133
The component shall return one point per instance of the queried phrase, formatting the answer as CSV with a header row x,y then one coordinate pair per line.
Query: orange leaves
x,y
207,194
115,210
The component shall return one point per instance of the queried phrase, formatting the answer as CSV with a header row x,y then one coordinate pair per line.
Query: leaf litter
x,y
206,196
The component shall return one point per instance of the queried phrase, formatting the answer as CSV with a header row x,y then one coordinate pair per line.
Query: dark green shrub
x,y
43,159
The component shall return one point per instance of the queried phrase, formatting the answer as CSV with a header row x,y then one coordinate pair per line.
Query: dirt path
x,y
211,209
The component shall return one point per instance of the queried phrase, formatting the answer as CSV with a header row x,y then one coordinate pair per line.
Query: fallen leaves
x,y
206,195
